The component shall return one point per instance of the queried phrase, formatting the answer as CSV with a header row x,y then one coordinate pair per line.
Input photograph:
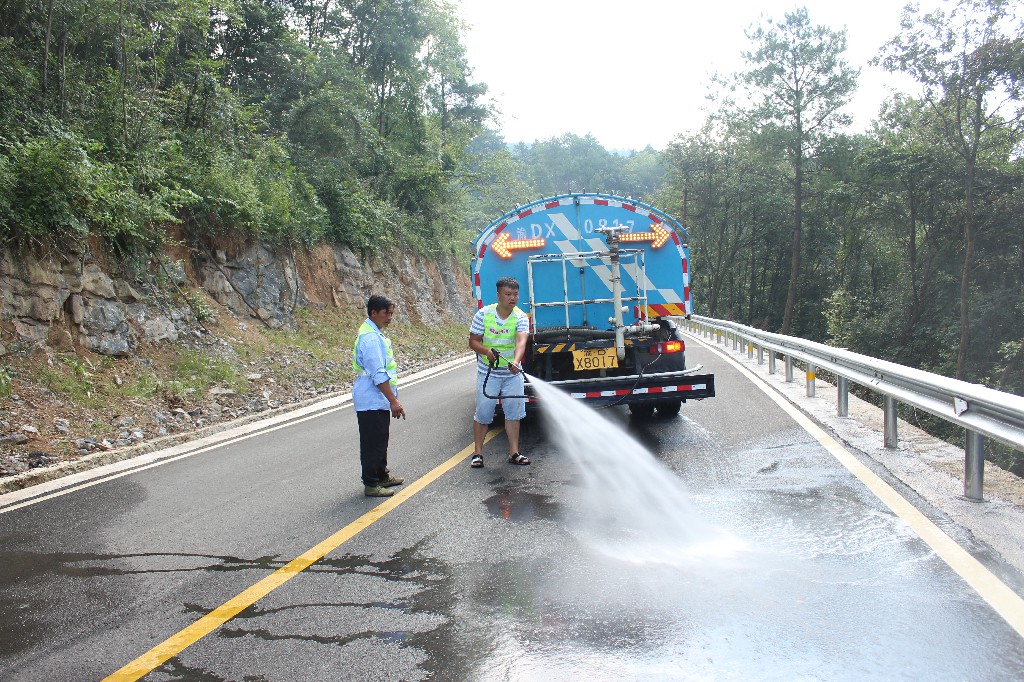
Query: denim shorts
x,y
509,384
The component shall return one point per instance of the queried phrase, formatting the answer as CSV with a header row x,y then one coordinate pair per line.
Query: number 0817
x,y
594,358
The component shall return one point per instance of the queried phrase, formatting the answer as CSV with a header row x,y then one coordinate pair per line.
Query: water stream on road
x,y
635,508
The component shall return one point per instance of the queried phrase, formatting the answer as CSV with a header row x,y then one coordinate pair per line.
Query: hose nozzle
x,y
508,360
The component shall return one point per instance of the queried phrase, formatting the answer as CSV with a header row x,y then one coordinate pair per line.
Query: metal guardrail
x,y
982,412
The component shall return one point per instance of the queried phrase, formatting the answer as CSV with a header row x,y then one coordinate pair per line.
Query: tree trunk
x,y
381,100
965,275
913,248
123,47
970,153
753,278
794,263
188,100
63,73
46,51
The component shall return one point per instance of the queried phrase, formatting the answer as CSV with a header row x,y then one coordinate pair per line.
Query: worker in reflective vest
x,y
498,336
375,397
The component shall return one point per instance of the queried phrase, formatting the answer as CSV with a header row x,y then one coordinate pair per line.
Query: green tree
x,y
968,62
725,185
904,175
383,38
496,180
451,95
799,83
570,163
643,173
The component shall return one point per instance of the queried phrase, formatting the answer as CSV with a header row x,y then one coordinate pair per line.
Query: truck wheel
x,y
641,410
669,408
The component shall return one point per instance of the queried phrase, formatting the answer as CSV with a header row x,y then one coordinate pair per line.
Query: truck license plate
x,y
594,358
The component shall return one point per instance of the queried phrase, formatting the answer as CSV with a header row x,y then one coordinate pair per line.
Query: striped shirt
x,y
477,327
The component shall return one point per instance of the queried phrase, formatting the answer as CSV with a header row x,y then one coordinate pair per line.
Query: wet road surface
x,y
493,574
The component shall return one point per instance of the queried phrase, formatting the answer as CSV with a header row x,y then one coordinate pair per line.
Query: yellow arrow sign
x,y
504,245
657,236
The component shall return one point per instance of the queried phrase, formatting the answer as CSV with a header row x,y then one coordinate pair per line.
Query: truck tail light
x,y
667,347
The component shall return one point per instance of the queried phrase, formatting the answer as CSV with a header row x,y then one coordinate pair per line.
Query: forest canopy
x,y
905,242
292,121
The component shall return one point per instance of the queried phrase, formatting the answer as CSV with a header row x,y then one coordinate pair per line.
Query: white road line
x,y
999,596
109,472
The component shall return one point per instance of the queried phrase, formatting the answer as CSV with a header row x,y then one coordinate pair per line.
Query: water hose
x,y
487,376
490,366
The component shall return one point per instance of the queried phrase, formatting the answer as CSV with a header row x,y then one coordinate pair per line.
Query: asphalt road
x,y
491,574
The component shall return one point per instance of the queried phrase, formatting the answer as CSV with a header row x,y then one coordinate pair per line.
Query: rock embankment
x,y
87,299
76,330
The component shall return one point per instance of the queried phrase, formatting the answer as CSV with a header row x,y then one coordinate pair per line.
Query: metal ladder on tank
x,y
639,274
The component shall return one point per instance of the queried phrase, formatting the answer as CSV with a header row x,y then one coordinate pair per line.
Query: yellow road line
x,y
172,646
999,596
241,433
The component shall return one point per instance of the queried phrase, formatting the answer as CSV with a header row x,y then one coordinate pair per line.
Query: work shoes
x,y
377,491
390,481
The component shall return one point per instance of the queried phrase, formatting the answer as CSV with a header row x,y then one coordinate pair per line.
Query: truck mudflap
x,y
649,388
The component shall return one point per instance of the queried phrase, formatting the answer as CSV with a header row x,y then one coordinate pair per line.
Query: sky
x,y
635,72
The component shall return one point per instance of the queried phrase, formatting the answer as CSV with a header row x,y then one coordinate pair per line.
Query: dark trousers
x,y
374,431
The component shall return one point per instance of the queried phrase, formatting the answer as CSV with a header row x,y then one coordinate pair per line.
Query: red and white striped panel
x,y
639,391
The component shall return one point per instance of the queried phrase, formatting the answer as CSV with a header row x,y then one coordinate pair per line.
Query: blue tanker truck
x,y
604,279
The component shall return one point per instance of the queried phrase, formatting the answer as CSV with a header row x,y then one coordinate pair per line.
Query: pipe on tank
x,y
620,342
611,234
562,333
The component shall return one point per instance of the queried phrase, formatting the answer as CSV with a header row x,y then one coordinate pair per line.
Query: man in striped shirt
x,y
498,336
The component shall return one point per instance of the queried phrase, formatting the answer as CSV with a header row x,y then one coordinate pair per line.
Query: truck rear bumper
x,y
649,388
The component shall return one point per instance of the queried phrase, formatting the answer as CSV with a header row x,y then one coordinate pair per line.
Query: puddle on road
x,y
520,507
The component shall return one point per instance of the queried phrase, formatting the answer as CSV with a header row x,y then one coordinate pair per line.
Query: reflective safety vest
x,y
501,337
391,366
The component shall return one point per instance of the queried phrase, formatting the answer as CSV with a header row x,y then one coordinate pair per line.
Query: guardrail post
x,y
789,369
760,355
750,350
810,380
974,467
735,340
889,428
843,397
771,362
